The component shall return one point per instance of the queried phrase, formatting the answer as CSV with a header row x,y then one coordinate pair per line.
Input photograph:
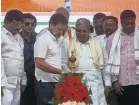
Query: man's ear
x,y
121,23
50,25
6,22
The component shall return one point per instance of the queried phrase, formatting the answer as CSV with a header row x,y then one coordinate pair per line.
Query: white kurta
x,y
13,63
93,76
102,39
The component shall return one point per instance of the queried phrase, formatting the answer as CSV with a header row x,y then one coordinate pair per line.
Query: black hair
x,y
91,28
13,15
57,18
127,14
30,16
111,17
99,16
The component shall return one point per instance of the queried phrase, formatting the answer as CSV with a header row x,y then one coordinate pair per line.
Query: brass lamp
x,y
72,60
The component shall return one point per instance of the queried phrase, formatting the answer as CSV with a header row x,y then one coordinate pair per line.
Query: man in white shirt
x,y
69,33
110,26
13,60
47,53
89,55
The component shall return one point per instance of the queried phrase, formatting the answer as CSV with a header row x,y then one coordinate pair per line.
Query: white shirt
x,y
47,47
3,75
85,56
102,39
12,54
86,63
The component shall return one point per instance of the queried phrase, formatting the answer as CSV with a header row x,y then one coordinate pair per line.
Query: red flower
x,y
72,79
86,101
72,89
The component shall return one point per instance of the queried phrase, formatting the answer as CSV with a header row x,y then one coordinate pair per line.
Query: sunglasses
x,y
28,23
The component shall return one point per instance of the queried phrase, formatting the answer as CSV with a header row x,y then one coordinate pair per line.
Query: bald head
x,y
63,11
83,21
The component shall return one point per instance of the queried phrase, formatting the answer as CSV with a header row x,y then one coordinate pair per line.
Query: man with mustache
x,y
98,24
123,62
12,47
87,49
110,26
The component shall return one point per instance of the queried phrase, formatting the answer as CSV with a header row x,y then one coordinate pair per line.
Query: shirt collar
x,y
104,36
122,33
33,38
52,36
5,31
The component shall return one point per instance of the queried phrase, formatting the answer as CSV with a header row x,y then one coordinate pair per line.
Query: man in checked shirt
x,y
125,72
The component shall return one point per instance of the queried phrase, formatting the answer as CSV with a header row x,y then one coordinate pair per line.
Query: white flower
x,y
81,103
72,103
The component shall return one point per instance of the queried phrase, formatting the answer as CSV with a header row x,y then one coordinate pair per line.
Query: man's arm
x,y
3,77
23,82
40,63
41,48
106,76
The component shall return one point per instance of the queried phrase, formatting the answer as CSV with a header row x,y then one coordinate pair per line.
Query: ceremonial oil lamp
x,y
72,60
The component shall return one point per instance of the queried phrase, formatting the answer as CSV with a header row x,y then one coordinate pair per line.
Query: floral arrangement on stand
x,y
72,90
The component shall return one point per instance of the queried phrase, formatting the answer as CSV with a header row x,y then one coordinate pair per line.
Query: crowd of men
x,y
107,52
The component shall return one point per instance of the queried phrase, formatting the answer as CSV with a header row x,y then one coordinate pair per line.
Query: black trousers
x,y
29,96
130,95
44,92
112,98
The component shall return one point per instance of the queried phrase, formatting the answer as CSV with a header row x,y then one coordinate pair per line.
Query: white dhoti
x,y
11,96
95,82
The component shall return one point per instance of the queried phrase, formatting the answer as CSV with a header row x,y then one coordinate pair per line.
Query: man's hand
x,y
64,72
22,87
107,90
2,94
118,88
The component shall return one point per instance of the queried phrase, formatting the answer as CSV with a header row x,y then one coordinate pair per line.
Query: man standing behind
x,y
123,63
110,25
29,36
47,53
12,54
98,24
68,34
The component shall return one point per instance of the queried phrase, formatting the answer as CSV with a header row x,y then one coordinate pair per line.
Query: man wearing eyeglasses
x,y
29,36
